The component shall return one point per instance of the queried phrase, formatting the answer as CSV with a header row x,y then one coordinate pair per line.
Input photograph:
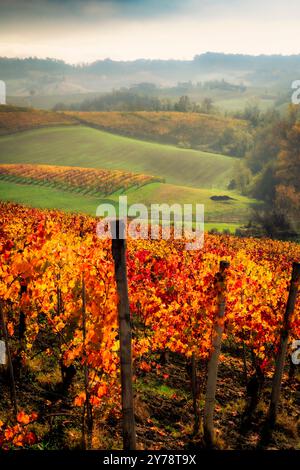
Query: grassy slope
x,y
47,198
218,214
188,130
82,146
230,211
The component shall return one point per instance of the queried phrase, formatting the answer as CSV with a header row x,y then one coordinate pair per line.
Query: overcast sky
x,y
84,30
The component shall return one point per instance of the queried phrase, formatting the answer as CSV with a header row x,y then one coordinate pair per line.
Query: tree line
x,y
128,99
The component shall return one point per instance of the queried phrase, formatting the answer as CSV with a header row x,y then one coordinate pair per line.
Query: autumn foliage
x,y
46,255
15,119
87,180
18,435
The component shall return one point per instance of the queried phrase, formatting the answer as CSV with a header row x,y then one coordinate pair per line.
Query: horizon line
x,y
140,59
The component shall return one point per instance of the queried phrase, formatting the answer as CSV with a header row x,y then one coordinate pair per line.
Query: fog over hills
x,y
51,76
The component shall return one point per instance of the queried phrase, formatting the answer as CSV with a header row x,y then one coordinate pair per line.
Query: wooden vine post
x,y
10,364
282,352
212,371
125,335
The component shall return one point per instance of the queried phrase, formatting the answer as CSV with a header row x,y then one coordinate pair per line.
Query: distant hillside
x,y
32,76
194,130
13,119
209,133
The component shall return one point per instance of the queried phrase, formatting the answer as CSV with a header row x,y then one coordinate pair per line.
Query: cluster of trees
x,y
270,172
224,85
131,99
252,113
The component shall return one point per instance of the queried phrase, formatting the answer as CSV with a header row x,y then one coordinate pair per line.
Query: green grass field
x,y
217,214
86,147
47,198
234,211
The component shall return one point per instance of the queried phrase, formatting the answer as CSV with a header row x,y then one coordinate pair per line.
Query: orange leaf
x,y
23,418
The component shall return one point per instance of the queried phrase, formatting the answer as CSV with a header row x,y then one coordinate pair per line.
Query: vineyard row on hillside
x,y
84,180
15,119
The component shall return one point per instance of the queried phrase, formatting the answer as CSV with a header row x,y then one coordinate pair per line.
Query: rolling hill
x,y
206,132
86,147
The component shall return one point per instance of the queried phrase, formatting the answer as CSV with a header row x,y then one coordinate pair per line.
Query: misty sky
x,y
84,30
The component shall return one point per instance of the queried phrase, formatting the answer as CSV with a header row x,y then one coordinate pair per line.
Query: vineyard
x,y
59,310
15,119
82,180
